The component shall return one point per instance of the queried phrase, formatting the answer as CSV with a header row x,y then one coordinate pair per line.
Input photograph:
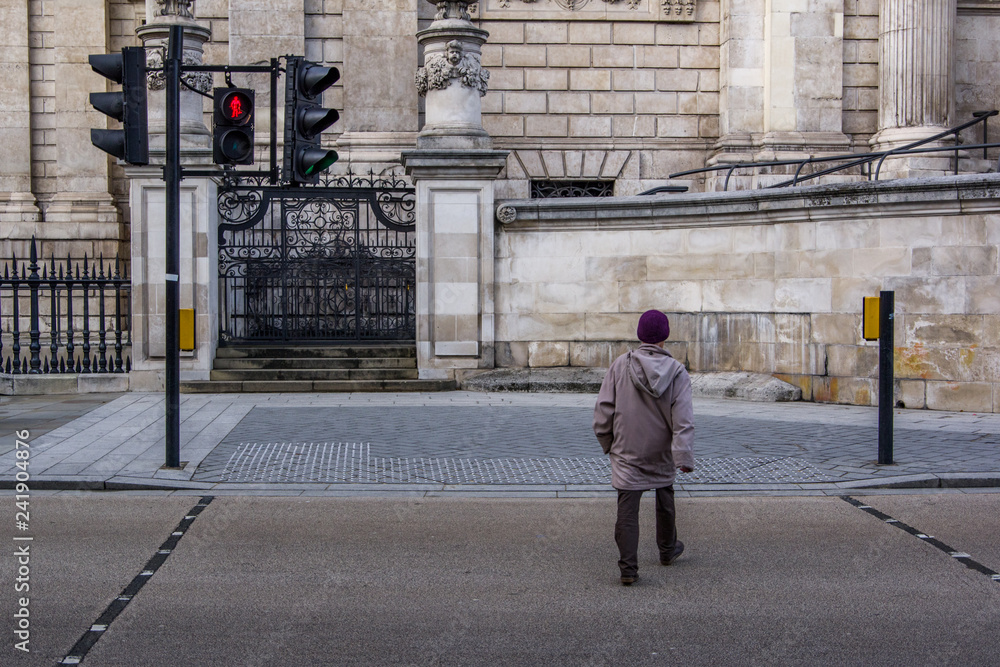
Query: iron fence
x,y
64,316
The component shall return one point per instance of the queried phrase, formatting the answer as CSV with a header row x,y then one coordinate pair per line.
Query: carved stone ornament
x,y
506,214
440,68
451,9
200,81
180,8
576,5
679,8
670,11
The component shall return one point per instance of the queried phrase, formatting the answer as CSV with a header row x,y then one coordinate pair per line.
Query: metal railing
x,y
863,160
75,317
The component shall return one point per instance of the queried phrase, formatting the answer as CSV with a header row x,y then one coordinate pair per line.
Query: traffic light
x,y
232,126
128,68
305,119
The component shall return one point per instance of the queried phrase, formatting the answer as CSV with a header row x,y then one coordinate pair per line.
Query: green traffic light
x,y
317,160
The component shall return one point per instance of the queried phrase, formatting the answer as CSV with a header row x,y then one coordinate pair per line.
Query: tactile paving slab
x,y
325,462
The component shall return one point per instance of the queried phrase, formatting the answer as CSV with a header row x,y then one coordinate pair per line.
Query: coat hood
x,y
652,369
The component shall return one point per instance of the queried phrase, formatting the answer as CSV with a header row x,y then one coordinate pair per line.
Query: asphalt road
x,y
356,581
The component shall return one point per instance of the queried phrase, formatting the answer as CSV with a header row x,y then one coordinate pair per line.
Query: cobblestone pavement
x,y
336,443
508,444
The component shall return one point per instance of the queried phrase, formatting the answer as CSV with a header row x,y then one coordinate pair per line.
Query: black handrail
x,y
859,159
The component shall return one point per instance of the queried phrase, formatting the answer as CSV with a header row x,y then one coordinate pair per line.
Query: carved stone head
x,y
454,52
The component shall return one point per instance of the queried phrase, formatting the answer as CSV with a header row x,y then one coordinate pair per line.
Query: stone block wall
x,y
628,100
768,282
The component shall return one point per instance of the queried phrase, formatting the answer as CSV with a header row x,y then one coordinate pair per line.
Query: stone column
x,y
198,212
83,207
916,90
379,118
18,208
454,168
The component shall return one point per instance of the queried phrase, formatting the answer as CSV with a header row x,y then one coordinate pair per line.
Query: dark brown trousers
x,y
627,527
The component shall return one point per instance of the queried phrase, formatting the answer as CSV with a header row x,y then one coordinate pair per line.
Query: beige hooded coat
x,y
644,419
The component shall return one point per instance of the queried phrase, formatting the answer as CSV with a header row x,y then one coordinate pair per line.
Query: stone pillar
x,y
741,83
916,91
803,80
259,31
379,116
781,93
454,168
83,207
18,208
198,212
198,274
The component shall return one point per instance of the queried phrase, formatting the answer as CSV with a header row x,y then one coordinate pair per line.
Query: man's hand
x,y
685,468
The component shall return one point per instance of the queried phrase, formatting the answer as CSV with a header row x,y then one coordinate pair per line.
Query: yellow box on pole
x,y
186,323
870,318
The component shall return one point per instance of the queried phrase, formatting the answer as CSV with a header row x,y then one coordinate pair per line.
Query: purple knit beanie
x,y
654,327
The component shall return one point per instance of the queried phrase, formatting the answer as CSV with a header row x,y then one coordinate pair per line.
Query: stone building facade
x,y
616,94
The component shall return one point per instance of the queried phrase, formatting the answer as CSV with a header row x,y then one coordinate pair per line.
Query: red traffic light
x,y
232,129
237,107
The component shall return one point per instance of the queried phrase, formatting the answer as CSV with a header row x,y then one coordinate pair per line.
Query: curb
x,y
969,480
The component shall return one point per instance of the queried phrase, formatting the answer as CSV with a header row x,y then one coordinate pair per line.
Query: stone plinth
x,y
454,258
198,275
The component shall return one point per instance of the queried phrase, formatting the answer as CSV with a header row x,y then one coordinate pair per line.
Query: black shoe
x,y
678,550
629,579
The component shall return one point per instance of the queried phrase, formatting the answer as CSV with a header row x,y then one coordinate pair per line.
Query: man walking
x,y
645,421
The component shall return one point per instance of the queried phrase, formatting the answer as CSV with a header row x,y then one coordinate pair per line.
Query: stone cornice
x,y
453,164
979,7
957,195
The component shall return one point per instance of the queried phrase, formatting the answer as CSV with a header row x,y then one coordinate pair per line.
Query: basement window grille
x,y
549,189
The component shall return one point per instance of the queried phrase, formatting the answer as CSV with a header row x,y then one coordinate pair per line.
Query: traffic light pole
x,y
172,177
173,173
886,377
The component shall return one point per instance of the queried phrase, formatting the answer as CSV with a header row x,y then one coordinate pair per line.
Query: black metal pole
x,y
274,122
886,379
172,177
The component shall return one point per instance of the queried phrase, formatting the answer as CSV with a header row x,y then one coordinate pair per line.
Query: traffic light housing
x,y
305,119
128,68
232,126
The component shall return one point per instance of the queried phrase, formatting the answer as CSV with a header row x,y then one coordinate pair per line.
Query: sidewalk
x,y
474,444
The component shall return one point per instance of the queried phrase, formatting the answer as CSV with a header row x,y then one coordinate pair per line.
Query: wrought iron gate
x,y
317,264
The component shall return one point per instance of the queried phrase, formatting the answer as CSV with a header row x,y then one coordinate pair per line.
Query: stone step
x,y
270,374
287,386
359,351
306,363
